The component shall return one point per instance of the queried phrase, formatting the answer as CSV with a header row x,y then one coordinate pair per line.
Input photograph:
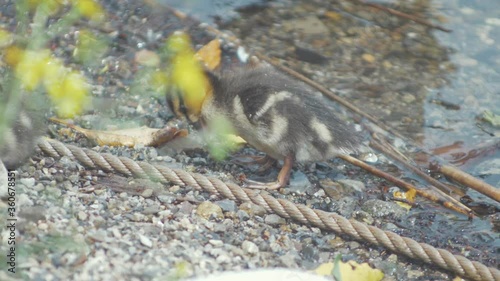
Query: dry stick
x,y
459,176
403,15
284,208
468,180
402,184
442,188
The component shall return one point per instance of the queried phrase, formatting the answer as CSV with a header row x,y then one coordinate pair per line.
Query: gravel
x,y
76,223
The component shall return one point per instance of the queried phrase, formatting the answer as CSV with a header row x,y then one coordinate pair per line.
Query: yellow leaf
x,y
325,269
210,54
409,196
351,270
90,9
179,42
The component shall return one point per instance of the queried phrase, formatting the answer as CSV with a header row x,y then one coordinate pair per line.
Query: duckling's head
x,y
187,104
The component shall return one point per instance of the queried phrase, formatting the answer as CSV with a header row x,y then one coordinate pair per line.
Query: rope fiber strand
x,y
284,208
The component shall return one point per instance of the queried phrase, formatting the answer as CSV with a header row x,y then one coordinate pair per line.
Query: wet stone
x,y
309,26
352,185
379,209
300,184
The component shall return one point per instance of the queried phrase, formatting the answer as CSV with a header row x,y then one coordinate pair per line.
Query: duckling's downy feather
x,y
279,116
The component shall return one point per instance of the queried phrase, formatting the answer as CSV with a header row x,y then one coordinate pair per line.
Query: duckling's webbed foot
x,y
283,177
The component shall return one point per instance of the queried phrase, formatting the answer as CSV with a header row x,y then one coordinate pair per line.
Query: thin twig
x,y
403,15
403,184
468,180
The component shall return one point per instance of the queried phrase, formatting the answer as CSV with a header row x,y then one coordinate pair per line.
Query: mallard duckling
x,y
276,115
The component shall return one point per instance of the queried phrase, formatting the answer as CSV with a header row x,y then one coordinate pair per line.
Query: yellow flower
x,y
179,42
66,89
89,9
70,96
53,79
187,74
12,55
30,69
189,78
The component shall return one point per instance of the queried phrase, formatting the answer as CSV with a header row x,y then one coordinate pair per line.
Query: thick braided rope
x,y
286,209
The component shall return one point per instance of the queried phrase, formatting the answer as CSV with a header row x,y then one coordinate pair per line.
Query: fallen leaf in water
x,y
408,196
128,137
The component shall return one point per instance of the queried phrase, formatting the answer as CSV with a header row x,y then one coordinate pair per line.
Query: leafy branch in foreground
x,y
30,71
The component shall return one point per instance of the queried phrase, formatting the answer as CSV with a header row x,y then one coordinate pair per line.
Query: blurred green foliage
x,y
31,69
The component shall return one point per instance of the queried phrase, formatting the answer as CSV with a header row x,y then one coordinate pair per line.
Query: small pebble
x,y
352,185
216,243
82,216
208,210
274,219
249,247
145,241
147,193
